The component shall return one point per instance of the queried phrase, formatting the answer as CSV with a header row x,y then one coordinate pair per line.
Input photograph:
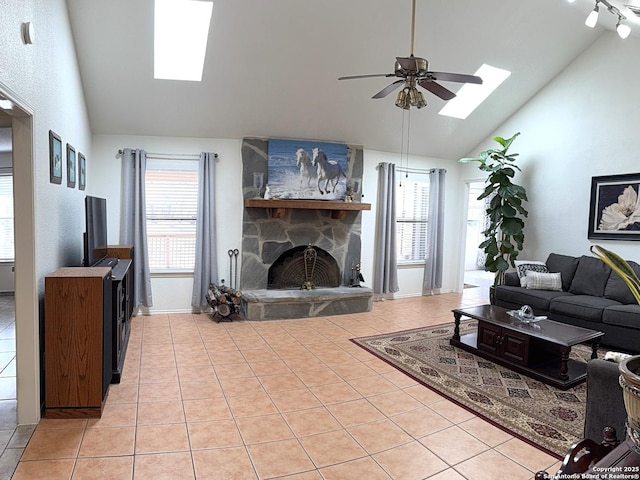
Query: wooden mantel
x,y
276,208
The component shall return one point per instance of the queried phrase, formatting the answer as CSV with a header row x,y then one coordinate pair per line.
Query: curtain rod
x,y
418,170
161,155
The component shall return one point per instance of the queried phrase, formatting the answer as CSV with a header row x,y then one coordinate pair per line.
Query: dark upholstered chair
x,y
605,406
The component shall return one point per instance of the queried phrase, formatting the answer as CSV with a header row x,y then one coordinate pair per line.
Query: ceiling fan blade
x,y
388,89
408,63
367,76
437,89
455,77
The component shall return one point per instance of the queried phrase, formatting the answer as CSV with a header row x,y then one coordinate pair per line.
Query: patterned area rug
x,y
544,416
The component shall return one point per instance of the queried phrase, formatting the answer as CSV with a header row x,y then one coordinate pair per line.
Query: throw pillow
x,y
544,281
524,266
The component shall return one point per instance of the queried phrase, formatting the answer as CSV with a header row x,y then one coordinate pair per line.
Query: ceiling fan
x,y
414,71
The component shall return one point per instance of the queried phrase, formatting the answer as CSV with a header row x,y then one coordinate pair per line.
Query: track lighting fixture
x,y
592,19
623,29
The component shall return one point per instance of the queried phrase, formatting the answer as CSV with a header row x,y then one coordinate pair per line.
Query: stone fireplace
x,y
272,246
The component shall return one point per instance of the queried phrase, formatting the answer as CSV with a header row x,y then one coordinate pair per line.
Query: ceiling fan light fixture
x,y
401,100
623,29
592,19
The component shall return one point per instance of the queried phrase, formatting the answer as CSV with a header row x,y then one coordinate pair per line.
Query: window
x,y
6,218
412,203
171,195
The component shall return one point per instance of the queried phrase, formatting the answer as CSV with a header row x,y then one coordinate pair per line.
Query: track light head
x,y
592,19
623,29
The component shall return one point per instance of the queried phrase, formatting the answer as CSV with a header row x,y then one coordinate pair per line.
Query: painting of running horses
x,y
303,169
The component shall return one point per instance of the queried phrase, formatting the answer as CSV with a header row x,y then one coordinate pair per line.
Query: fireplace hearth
x,y
273,267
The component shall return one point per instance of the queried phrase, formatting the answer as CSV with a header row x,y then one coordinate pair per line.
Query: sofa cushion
x,y
617,290
543,281
591,277
523,267
623,316
564,264
537,299
585,307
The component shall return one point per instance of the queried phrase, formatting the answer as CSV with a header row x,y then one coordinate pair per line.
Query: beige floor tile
x,y
311,421
122,393
158,375
159,392
269,367
163,466
278,459
282,382
223,464
448,474
292,400
452,412
240,386
373,385
218,434
423,394
107,442
233,370
399,379
453,445
267,428
318,376
252,405
420,422
114,415
394,403
483,430
351,371
206,409
150,413
526,455
364,468
48,444
161,438
104,468
50,423
378,436
259,355
335,393
44,470
198,390
491,465
198,373
331,448
220,357
412,460
355,412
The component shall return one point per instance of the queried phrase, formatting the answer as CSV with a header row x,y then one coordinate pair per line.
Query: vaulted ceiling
x,y
272,66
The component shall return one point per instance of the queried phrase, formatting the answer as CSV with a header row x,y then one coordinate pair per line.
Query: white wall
x,y
583,124
172,293
44,76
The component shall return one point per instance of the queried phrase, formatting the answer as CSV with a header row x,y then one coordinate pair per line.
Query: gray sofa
x,y
590,296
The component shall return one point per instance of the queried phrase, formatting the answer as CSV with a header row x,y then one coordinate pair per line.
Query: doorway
x,y
19,117
8,400
474,274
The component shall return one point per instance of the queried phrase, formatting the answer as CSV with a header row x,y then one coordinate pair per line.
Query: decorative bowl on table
x,y
525,315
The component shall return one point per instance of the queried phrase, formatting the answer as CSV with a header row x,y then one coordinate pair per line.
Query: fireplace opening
x,y
291,270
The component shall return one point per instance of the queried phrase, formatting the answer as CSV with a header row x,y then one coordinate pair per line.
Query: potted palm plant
x,y
504,233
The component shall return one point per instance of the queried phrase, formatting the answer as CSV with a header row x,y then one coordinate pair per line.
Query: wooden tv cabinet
x,y
78,332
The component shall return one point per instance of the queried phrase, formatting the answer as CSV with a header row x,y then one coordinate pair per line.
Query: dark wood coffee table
x,y
539,350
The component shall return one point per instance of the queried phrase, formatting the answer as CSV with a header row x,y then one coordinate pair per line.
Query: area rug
x,y
549,418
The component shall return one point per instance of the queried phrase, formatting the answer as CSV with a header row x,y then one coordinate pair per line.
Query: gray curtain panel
x,y
133,222
433,262
385,264
206,268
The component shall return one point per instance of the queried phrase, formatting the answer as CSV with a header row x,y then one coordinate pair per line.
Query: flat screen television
x,y
95,237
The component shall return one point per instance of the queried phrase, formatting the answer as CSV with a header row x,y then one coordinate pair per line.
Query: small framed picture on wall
x,y
82,171
71,166
55,158
614,212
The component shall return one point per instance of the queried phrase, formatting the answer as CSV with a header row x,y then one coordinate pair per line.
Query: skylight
x,y
471,95
180,38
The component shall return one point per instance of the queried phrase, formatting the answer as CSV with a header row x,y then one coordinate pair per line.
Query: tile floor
x,y
13,439
290,399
